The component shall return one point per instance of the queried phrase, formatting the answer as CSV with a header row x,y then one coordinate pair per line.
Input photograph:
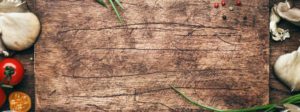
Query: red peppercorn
x,y
223,3
238,3
216,5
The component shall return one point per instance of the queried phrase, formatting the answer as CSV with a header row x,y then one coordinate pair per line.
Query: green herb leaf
x,y
292,99
101,2
119,3
116,10
193,102
253,109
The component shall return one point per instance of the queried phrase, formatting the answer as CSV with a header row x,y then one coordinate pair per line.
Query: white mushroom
x,y
287,68
278,34
284,10
18,26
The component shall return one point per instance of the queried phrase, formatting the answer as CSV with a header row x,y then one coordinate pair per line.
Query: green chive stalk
x,y
266,108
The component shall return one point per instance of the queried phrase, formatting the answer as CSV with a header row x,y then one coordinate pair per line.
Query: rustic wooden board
x,y
86,60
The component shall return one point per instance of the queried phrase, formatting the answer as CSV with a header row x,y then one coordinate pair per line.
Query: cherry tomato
x,y
11,71
2,97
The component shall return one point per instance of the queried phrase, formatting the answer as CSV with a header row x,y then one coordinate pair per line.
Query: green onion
x,y
101,2
119,3
116,10
112,3
267,108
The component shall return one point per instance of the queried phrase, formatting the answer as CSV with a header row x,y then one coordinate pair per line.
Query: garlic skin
x,y
287,68
19,27
291,108
19,30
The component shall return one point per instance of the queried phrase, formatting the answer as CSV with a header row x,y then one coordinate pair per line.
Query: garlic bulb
x,y
18,26
287,68
291,108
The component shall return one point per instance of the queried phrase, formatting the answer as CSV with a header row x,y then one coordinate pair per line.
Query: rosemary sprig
x,y
119,3
112,3
116,10
267,108
101,2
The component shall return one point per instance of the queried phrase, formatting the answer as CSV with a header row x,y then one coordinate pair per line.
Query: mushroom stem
x,y
274,19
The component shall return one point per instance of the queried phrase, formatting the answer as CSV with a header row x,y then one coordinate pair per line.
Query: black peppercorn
x,y
245,18
224,17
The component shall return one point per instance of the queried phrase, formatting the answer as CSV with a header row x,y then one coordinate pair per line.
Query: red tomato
x,y
2,97
11,71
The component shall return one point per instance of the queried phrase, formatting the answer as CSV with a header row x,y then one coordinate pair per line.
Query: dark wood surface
x,y
86,60
28,83
277,90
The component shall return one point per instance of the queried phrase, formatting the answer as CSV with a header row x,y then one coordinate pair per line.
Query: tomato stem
x,y
9,71
6,86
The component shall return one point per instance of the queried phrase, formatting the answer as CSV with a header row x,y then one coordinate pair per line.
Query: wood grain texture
x,y
86,60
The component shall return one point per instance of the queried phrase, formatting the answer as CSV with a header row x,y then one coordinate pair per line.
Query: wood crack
x,y
177,49
157,103
158,90
88,61
144,74
149,23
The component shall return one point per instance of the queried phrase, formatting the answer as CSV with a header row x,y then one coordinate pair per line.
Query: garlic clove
x,y
287,68
18,26
291,108
19,30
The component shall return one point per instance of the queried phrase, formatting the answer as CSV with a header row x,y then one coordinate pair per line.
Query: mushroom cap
x,y
287,69
19,30
284,10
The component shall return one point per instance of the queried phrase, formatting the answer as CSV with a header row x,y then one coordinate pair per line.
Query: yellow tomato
x,y
19,102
